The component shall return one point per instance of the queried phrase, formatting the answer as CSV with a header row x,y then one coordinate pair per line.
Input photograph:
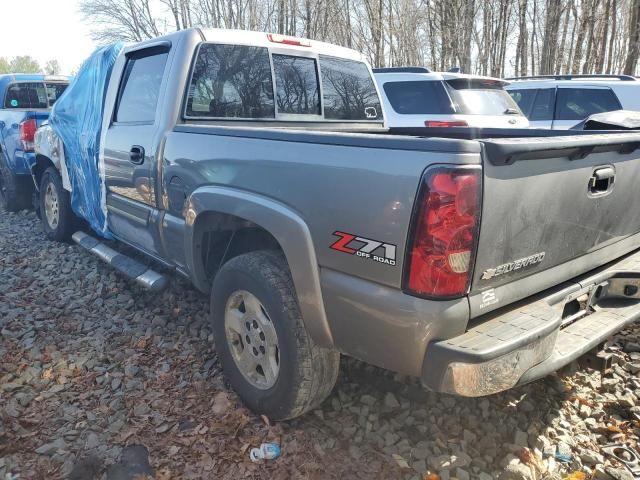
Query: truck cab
x,y
25,102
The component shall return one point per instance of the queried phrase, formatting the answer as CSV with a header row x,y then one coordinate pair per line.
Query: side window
x,y
348,90
297,87
140,88
524,98
579,103
231,81
543,105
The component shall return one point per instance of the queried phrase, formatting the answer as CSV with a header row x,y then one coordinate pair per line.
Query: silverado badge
x,y
512,266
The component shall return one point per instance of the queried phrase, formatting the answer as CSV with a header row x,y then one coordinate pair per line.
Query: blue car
x,y
25,102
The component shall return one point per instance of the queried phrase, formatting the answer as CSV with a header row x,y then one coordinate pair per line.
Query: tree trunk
x,y
614,19
633,45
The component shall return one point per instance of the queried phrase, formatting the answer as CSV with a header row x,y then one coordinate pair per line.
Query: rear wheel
x,y
265,350
58,220
15,191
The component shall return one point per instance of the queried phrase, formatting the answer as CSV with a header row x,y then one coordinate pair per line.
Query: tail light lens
x,y
28,134
445,124
445,229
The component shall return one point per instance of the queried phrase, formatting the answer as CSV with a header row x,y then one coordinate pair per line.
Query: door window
x,y
140,88
579,103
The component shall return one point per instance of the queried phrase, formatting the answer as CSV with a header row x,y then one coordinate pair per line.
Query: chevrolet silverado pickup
x,y
259,167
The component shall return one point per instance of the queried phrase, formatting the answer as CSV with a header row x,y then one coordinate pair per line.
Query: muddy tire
x,y
58,220
266,353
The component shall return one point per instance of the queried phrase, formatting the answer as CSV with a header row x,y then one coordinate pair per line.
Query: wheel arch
x,y
38,168
273,223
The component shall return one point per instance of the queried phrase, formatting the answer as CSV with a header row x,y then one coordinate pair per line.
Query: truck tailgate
x,y
553,208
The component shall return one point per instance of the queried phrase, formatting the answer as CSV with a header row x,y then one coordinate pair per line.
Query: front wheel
x,y
265,350
58,220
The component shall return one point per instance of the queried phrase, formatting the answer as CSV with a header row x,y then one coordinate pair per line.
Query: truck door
x,y
131,146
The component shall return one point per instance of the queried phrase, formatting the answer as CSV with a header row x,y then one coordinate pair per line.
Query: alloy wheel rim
x,y
252,339
51,207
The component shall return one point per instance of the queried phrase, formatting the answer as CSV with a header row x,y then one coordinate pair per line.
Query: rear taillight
x,y
27,134
445,229
445,124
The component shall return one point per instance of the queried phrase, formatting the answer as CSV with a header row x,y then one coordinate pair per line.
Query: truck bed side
x,y
322,178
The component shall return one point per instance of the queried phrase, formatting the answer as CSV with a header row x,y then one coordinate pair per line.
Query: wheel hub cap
x,y
252,339
51,206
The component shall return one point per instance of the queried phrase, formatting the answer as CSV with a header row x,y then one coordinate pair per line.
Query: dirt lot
x,y
100,379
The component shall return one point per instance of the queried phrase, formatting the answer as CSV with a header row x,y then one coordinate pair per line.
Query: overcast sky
x,y
46,30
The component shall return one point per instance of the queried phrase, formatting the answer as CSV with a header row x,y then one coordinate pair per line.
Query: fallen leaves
x,y
575,476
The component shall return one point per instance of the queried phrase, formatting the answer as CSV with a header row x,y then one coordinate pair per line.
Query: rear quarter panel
x,y
364,191
362,185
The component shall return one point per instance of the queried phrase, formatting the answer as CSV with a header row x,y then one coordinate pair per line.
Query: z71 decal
x,y
365,247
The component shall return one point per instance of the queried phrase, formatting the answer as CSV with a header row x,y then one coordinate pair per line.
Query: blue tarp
x,y
76,118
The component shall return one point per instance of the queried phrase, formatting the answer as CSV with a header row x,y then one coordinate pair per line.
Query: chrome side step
x,y
144,276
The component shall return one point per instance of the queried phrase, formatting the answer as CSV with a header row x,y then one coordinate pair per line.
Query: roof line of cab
x,y
261,39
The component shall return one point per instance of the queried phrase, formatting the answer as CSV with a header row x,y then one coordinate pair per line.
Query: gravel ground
x,y
100,379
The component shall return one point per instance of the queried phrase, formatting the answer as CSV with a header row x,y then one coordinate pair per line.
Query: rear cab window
x,y
297,85
33,95
231,81
242,82
348,90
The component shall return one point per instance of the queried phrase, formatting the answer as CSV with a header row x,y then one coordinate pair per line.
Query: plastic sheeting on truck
x,y
76,118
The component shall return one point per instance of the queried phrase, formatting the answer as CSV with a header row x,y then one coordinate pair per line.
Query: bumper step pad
x,y
527,343
581,337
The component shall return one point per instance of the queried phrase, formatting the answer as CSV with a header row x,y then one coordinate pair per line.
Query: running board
x,y
144,276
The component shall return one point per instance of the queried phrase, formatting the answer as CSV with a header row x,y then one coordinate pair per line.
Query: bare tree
x,y
492,37
633,49
129,20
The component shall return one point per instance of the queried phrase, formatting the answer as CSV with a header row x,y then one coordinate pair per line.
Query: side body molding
x,y
288,228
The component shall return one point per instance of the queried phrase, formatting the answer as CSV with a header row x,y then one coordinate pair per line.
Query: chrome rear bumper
x,y
534,339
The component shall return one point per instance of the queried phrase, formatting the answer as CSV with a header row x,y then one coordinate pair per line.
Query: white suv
x,y
561,101
417,97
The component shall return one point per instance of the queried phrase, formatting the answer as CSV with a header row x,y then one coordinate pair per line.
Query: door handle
x,y
602,180
136,155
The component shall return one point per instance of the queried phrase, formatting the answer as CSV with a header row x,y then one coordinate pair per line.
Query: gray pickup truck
x,y
259,167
